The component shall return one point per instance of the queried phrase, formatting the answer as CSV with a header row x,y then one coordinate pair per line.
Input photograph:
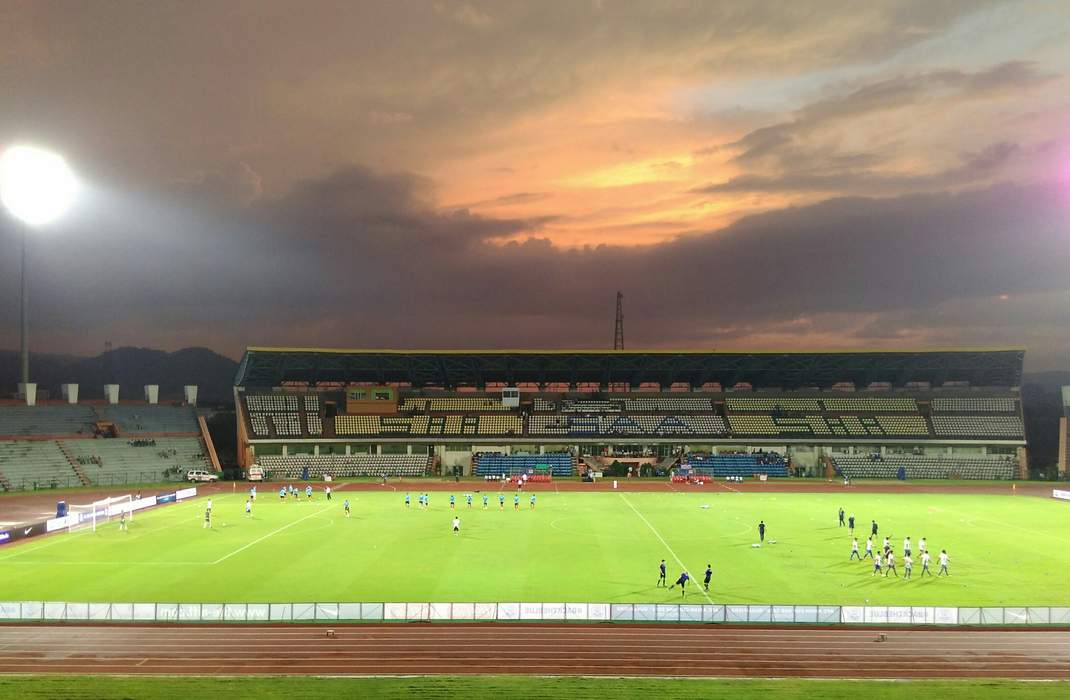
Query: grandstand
x,y
56,444
940,414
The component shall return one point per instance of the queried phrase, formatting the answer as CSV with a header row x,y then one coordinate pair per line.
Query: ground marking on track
x,y
665,544
270,534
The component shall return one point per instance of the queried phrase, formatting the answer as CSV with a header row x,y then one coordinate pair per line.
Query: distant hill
x,y
130,368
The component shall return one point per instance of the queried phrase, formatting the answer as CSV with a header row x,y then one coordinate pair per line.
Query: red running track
x,y
591,650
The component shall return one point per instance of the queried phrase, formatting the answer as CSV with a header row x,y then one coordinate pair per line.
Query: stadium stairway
x,y
74,463
667,463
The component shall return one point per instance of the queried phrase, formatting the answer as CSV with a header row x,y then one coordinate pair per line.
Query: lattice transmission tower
x,y
618,332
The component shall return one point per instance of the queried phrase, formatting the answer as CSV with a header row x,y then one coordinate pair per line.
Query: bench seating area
x,y
497,464
745,465
926,467
293,466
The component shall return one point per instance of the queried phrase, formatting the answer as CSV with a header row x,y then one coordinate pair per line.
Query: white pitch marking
x,y
666,544
270,534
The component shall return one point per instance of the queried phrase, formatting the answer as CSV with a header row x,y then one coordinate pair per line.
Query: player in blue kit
x,y
308,492
532,502
282,494
709,575
408,500
453,501
501,501
661,573
681,582
516,502
485,499
468,498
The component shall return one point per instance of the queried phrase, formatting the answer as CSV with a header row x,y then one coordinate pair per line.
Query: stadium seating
x,y
979,426
869,404
450,404
36,464
926,467
637,425
903,425
147,418
668,404
287,424
271,403
293,466
46,420
111,461
500,425
892,425
771,403
974,404
495,463
260,424
769,463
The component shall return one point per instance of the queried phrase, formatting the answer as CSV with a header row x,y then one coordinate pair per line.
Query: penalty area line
x,y
270,534
665,544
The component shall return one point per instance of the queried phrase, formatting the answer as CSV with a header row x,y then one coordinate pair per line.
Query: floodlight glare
x,y
36,185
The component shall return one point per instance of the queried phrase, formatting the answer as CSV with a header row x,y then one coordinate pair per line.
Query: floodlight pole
x,y
24,346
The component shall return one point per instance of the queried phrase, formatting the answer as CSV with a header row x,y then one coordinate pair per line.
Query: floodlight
x,y
36,185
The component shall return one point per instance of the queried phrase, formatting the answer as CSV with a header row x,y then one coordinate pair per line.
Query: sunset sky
x,y
488,174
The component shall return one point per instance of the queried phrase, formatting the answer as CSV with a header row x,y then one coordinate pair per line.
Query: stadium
x,y
573,476
306,388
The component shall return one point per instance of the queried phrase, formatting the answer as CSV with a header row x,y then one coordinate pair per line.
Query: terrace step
x,y
74,464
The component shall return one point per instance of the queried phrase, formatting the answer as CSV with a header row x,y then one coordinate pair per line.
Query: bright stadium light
x,y
36,185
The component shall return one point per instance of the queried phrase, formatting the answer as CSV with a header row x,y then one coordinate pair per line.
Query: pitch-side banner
x,y
1061,495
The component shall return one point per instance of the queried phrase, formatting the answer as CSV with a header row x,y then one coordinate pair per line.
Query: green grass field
x,y
598,547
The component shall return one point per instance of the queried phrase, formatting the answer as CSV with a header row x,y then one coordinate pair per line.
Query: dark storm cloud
x,y
361,258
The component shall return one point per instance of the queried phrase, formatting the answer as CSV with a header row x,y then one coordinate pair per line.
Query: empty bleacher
x,y
979,426
974,404
36,464
451,404
139,460
147,418
271,403
637,425
20,421
497,464
926,467
771,403
293,466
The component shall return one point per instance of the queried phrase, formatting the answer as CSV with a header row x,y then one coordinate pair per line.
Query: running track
x,y
591,650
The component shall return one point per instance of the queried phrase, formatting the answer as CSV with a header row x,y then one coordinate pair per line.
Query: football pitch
x,y
576,547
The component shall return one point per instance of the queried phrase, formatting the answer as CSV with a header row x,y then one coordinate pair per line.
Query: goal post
x,y
97,513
